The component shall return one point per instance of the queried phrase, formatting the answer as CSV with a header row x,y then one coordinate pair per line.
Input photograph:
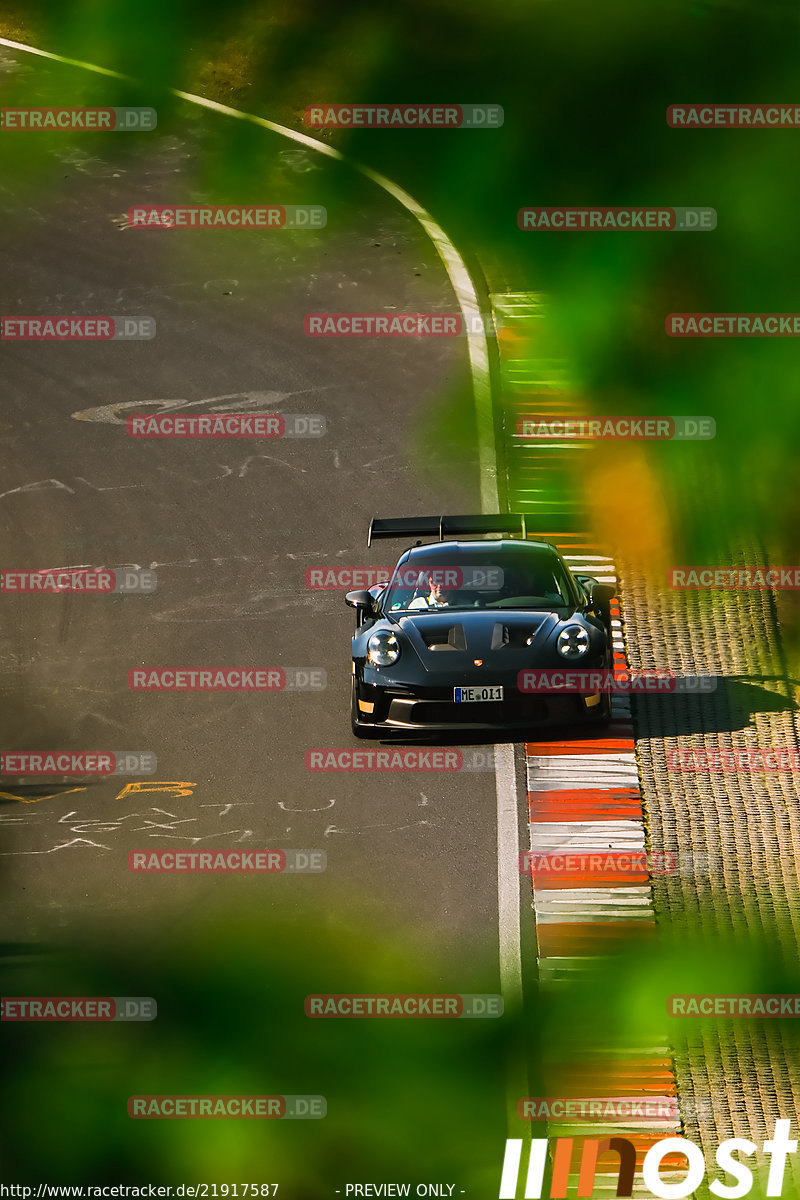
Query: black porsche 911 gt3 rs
x,y
440,647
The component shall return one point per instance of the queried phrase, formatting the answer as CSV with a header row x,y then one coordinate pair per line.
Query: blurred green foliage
x,y
585,90
420,1099
414,1100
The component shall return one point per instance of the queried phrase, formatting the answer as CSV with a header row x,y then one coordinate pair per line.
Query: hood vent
x,y
511,635
500,636
446,638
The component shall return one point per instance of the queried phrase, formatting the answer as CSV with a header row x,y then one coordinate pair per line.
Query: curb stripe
x,y
583,791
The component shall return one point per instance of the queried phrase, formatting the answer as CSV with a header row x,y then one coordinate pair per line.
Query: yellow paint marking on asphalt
x,y
36,799
182,788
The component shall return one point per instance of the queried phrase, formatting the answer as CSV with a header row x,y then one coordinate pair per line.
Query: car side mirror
x,y
360,600
602,593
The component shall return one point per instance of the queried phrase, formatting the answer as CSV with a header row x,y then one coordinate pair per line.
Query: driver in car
x,y
436,598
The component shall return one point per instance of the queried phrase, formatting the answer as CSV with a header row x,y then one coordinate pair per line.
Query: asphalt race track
x,y
230,527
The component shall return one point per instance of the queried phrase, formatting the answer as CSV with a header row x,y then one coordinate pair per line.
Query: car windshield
x,y
485,579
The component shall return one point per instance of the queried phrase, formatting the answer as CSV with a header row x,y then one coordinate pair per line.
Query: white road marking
x,y
52,850
508,880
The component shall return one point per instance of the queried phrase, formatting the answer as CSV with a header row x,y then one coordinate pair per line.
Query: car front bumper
x,y
434,710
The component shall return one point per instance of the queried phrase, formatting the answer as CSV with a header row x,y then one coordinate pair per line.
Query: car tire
x,y
603,714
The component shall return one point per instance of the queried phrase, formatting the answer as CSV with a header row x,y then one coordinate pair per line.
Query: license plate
x,y
463,695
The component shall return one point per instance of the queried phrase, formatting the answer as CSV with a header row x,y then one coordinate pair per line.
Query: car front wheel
x,y
602,714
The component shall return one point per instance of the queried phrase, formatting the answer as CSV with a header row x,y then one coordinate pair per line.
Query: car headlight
x,y
383,649
573,641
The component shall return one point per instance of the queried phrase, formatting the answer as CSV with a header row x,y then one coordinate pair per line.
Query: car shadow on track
x,y
482,738
732,706
13,792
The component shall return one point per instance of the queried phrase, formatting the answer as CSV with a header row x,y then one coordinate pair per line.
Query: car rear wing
x,y
446,527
